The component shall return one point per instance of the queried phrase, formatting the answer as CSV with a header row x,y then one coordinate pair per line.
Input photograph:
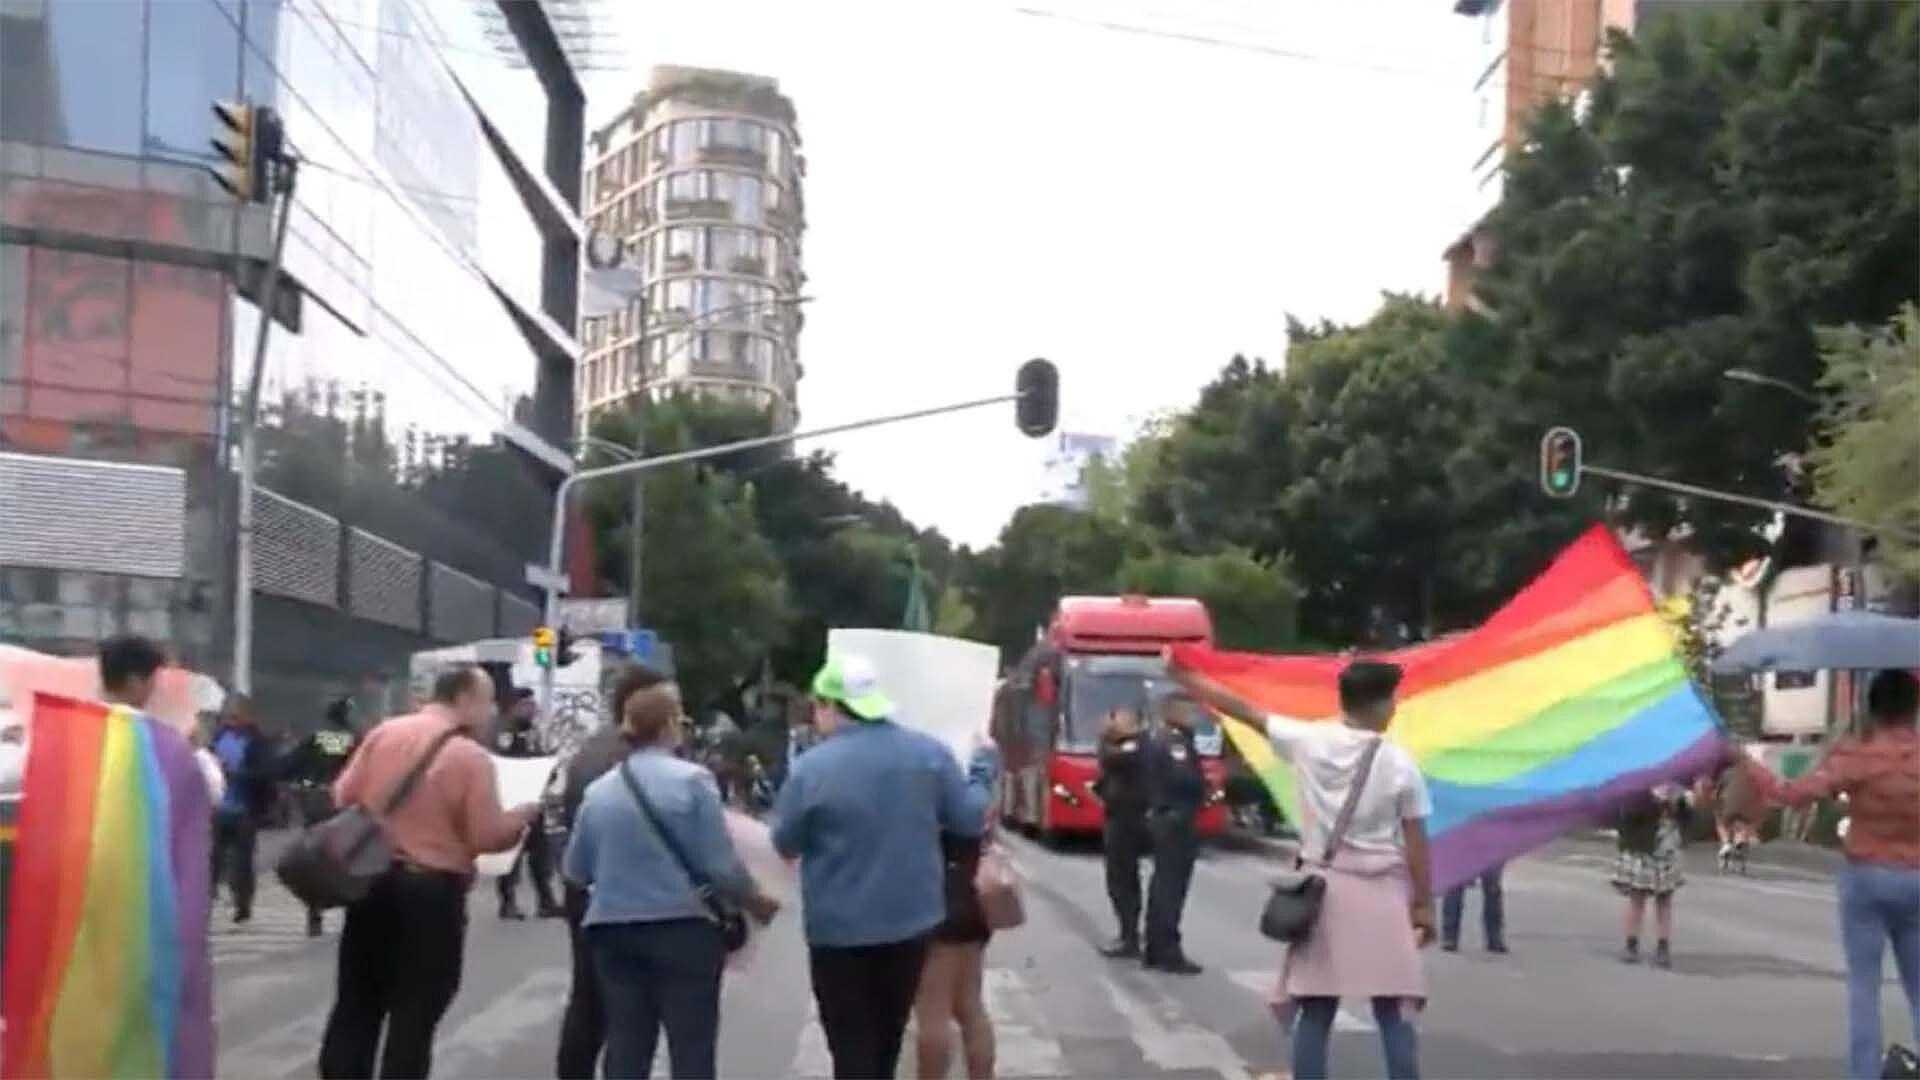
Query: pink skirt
x,y
1363,945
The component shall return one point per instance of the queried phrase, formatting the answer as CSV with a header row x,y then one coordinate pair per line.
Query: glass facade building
x,y
417,390
702,179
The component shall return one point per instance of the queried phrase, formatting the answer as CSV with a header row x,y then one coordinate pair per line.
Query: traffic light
x,y
1560,463
543,647
250,143
1038,409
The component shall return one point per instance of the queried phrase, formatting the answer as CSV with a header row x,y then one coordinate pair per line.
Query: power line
x,y
1304,56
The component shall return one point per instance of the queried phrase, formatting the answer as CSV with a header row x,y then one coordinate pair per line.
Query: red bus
x,y
1100,653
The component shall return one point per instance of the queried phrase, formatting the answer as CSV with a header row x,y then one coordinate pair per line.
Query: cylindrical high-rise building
x,y
701,177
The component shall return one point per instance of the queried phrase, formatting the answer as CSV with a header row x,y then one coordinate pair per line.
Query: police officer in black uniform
x,y
1122,787
312,768
519,739
1176,789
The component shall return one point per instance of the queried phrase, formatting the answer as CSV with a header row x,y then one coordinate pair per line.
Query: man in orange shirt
x,y
401,950
1879,772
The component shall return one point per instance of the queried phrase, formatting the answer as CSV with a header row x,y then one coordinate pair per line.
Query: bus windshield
x,y
1097,685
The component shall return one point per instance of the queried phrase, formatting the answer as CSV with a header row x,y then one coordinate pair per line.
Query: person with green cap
x,y
864,812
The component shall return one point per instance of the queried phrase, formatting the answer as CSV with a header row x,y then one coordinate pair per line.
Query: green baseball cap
x,y
849,681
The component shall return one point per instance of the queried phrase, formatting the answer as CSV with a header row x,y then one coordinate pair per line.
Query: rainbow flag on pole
x,y
1546,719
107,971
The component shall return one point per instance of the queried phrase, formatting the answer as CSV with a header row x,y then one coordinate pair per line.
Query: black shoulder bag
x,y
724,914
1293,907
335,862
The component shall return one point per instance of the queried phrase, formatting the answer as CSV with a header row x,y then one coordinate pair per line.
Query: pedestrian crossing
x,y
278,926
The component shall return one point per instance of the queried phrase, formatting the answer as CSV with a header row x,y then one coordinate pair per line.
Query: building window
x,y
83,88
749,206
683,249
686,139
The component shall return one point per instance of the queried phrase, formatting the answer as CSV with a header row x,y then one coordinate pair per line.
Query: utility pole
x,y
257,169
641,399
1036,398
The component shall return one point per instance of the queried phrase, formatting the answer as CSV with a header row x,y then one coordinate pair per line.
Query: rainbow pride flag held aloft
x,y
107,971
1547,718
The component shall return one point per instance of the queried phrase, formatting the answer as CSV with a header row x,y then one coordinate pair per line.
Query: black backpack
x,y
335,862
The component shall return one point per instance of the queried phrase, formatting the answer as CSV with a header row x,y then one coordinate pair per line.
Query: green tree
x,y
1254,604
1044,553
1739,176
1867,465
711,584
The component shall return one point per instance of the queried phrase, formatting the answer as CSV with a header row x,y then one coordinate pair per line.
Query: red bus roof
x,y
1129,624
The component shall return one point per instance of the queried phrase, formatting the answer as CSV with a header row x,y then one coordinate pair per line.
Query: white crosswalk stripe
x,y
1168,1041
1261,981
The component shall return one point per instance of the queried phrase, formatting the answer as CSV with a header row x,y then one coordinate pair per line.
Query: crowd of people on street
x,y
889,829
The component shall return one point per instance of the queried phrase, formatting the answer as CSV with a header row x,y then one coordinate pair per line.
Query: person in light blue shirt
x,y
657,951
863,811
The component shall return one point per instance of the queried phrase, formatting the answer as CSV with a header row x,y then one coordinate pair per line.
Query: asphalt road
x,y
1756,990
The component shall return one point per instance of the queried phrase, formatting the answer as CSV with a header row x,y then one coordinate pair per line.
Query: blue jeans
x,y
1493,913
1878,904
1314,1027
656,975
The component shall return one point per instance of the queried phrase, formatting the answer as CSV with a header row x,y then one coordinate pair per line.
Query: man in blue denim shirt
x,y
864,811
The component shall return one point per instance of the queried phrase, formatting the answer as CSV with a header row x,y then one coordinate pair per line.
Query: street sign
x,y
641,645
594,615
542,578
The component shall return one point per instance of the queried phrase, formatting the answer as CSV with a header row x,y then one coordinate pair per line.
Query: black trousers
x,y
400,960
537,857
1125,841
583,1027
1175,847
865,994
232,854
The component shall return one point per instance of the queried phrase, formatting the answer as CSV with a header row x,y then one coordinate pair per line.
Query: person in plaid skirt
x,y
1652,830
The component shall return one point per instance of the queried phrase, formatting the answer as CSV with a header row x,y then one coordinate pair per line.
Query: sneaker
x,y
1121,948
512,913
551,910
1449,946
1631,954
1498,948
242,917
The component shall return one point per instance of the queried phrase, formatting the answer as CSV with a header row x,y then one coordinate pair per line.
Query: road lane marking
x,y
1168,1042
1023,1046
1261,982
531,1008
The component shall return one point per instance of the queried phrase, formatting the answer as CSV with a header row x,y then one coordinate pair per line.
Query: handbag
x,y
1293,905
727,916
334,863
997,884
1900,1064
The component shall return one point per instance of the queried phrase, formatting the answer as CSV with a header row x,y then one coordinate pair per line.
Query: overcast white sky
x,y
985,186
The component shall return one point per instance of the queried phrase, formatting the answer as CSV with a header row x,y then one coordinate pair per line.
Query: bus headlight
x,y
1218,796
1063,793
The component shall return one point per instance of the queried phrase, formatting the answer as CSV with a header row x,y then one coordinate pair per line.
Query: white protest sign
x,y
521,780
941,685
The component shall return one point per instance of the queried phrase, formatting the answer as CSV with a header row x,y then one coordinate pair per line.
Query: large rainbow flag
x,y
1547,718
106,970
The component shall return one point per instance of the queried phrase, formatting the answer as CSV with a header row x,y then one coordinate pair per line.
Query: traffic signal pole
x,y
250,441
1774,505
556,536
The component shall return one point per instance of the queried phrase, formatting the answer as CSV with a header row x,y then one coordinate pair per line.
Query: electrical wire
x,y
431,231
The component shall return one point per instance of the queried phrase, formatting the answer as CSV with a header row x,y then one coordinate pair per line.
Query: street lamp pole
x,y
627,453
1754,378
556,536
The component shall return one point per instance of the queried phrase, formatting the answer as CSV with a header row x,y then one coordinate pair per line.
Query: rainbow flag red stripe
x,y
107,971
1572,698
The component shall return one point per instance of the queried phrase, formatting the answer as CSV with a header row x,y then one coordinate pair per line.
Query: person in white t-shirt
x,y
1377,913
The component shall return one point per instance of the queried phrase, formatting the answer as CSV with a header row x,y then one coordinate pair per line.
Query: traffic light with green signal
x,y
543,640
1560,463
